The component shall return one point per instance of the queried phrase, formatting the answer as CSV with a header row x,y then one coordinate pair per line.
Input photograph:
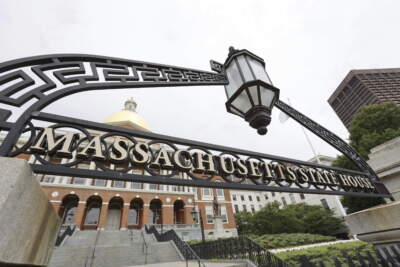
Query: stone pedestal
x,y
28,222
219,231
378,225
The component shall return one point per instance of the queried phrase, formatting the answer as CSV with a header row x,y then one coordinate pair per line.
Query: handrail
x,y
144,247
69,230
238,248
187,252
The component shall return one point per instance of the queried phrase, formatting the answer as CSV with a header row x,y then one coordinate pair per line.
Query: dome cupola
x,y
128,117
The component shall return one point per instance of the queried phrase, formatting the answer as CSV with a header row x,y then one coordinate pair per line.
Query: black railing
x,y
237,248
383,257
65,230
144,247
186,251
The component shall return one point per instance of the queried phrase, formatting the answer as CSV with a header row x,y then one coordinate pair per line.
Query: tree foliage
x,y
370,127
374,125
295,218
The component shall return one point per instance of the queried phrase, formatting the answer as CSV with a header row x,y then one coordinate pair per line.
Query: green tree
x,y
295,218
371,126
243,224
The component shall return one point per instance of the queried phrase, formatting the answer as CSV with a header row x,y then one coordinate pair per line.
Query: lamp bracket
x,y
327,136
216,66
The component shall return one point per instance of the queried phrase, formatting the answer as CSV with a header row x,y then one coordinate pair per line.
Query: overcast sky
x,y
308,46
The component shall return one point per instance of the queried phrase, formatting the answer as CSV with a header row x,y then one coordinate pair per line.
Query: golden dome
x,y
128,117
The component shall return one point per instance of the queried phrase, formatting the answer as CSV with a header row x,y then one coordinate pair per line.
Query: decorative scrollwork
x,y
327,136
88,71
263,172
48,78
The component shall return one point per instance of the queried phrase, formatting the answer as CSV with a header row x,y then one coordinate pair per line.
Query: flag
x,y
283,117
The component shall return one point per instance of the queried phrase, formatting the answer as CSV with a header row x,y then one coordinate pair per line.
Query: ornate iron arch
x,y
45,79
79,73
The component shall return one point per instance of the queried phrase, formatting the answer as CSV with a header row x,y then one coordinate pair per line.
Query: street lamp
x,y
250,92
196,215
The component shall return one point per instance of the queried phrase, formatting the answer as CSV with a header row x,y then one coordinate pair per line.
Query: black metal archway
x,y
45,79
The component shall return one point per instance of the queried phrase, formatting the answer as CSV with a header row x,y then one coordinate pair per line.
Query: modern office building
x,y
365,87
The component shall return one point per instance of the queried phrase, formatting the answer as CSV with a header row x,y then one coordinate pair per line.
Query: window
x,y
273,194
93,211
220,192
207,192
302,196
48,179
244,208
209,214
325,204
78,180
266,197
234,197
223,214
236,207
136,185
153,187
99,182
70,204
284,201
242,197
134,212
292,198
250,198
258,198
119,184
252,208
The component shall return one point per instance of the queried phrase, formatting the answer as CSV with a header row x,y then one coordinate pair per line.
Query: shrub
x,y
297,218
326,254
290,240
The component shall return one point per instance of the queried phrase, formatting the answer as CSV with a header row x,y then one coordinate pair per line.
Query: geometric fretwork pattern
x,y
87,71
44,79
327,136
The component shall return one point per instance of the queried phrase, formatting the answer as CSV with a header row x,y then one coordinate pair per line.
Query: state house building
x,y
96,204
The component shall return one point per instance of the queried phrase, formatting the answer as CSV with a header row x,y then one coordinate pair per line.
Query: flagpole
x,y
316,156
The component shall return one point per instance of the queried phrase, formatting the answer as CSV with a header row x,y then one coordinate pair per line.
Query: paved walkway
x,y
312,245
193,264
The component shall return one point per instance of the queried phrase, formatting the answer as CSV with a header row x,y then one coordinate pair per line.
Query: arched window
x,y
113,220
68,209
179,212
93,207
135,212
155,214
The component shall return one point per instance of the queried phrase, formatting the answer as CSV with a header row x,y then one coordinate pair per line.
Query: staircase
x,y
112,248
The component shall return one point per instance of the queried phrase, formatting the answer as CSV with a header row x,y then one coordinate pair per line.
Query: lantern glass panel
x,y
267,95
254,94
245,68
234,79
259,70
234,111
242,102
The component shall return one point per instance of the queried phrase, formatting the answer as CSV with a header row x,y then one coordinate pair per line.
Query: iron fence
x,y
145,247
237,248
383,257
65,230
186,251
